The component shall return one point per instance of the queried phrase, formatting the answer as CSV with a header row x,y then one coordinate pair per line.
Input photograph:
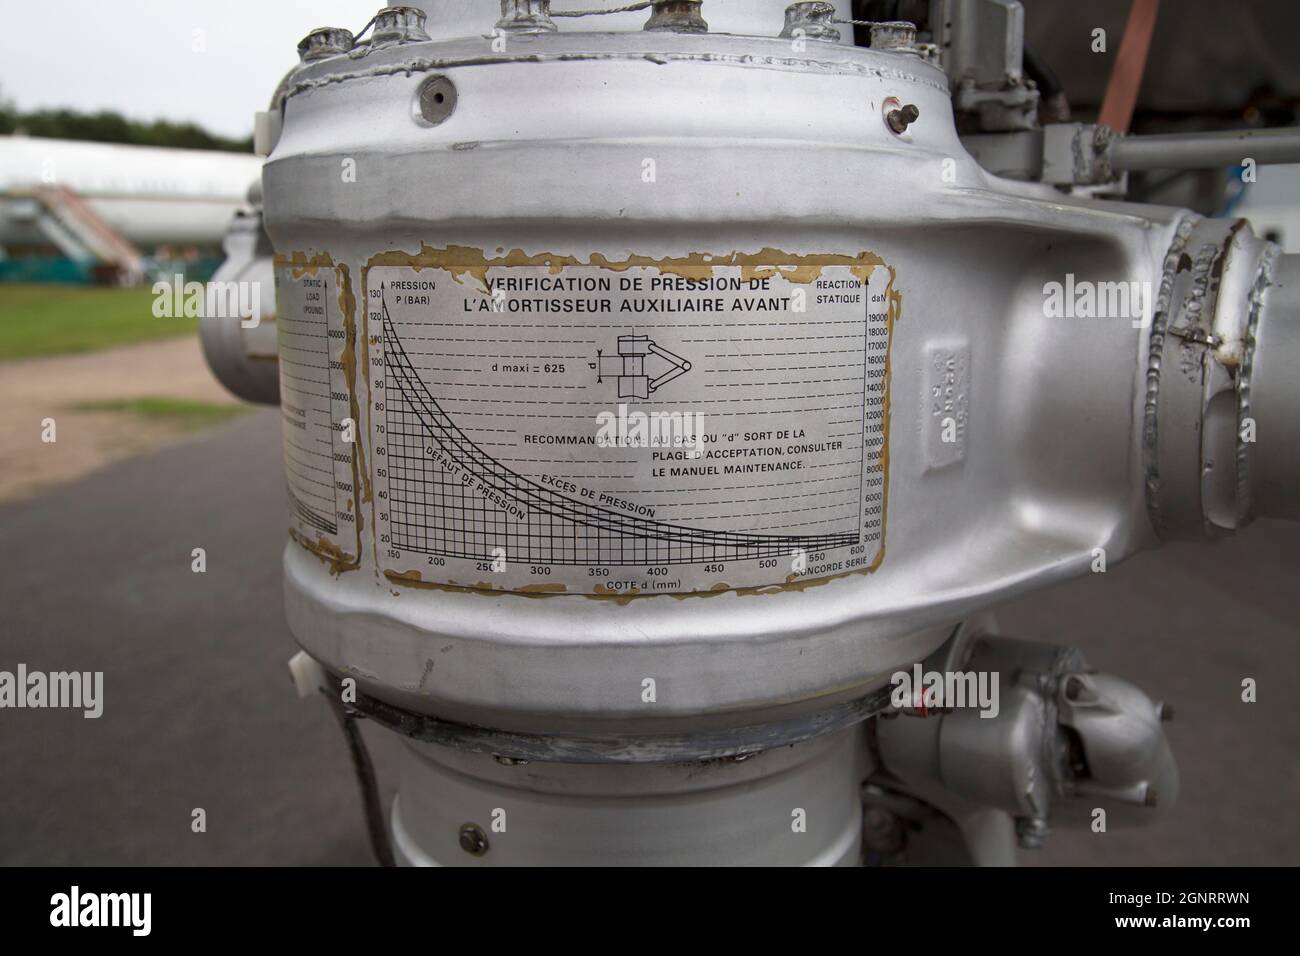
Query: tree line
x,y
110,127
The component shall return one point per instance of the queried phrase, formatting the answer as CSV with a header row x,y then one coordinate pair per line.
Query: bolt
x,y
897,35
399,24
473,840
677,16
815,19
903,117
324,42
526,17
1073,688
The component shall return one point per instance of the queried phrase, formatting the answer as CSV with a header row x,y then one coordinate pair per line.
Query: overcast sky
x,y
143,57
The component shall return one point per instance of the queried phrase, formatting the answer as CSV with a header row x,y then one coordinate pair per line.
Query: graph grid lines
x,y
448,497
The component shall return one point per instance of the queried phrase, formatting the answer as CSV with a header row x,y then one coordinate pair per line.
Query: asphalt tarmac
x,y
199,711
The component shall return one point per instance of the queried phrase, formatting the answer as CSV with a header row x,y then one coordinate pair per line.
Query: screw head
x,y
473,840
436,99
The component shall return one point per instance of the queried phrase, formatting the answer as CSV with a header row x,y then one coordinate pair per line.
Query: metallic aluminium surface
x,y
1057,379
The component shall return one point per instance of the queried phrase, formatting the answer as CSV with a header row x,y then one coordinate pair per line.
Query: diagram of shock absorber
x,y
489,472
629,366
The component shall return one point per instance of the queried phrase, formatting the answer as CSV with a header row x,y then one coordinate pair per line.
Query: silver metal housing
x,y
759,144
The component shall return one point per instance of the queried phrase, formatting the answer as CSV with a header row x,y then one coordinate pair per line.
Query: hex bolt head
x,y
325,42
677,16
815,19
900,119
895,35
473,840
399,24
436,99
526,17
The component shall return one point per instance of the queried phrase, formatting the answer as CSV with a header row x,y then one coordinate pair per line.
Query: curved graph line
x,y
700,544
311,515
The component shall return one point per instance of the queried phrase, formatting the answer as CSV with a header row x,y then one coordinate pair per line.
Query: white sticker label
x,y
628,430
316,409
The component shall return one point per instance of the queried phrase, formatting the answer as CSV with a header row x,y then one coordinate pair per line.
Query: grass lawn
x,y
56,319
184,414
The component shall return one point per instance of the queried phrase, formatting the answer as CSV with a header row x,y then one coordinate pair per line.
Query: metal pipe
x,y
1205,150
